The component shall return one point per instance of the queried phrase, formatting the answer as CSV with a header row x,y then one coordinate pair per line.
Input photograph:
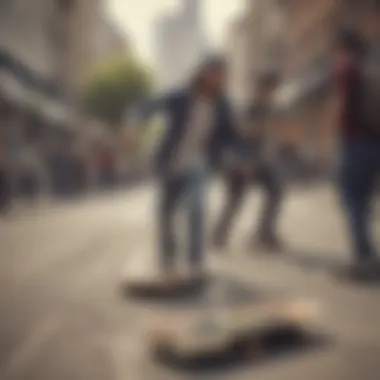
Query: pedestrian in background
x,y
260,166
356,114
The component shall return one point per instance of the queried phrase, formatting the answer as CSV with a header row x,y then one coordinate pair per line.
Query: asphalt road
x,y
62,315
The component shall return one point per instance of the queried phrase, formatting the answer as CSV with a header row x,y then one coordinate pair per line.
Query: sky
x,y
137,18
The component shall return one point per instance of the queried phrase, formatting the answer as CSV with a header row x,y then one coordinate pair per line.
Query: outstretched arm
x,y
138,114
136,117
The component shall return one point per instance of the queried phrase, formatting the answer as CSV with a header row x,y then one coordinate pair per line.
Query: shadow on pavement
x,y
338,269
288,345
313,260
173,296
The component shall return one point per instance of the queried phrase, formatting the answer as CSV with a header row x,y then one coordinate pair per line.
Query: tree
x,y
114,86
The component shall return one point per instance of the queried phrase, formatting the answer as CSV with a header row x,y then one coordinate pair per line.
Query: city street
x,y
63,317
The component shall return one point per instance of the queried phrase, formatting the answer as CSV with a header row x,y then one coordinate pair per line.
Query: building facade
x,y
311,28
258,44
238,59
180,43
45,49
295,38
76,26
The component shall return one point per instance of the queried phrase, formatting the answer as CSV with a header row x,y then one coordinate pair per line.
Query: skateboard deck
x,y
143,277
229,315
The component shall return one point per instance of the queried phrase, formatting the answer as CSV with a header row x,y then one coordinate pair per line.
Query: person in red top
x,y
359,169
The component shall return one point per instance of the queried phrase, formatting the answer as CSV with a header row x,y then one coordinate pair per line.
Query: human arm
x,y
137,117
139,113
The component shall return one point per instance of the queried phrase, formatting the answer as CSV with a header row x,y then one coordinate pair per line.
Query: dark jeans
x,y
5,194
182,190
28,186
268,178
359,173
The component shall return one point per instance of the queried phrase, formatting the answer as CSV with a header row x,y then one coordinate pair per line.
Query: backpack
x,y
370,99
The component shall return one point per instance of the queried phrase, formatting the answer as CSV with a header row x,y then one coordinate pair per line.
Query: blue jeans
x,y
237,186
188,190
359,174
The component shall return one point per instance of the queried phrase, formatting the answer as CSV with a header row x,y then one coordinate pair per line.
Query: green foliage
x,y
113,86
152,135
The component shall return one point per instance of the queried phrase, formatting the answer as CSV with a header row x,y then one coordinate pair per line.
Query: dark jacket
x,y
176,107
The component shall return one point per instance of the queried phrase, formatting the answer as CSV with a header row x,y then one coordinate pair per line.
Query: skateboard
x,y
230,316
142,277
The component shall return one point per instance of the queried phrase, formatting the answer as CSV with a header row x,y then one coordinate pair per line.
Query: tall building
x,y
180,43
192,11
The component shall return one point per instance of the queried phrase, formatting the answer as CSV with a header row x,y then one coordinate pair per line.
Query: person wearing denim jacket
x,y
199,132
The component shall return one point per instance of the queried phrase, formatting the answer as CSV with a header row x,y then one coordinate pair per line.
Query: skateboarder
x,y
199,129
356,114
259,166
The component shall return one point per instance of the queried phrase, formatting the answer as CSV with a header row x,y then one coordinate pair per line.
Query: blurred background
x,y
69,69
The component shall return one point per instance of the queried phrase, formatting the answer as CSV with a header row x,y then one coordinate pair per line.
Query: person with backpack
x,y
199,130
356,108
260,159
